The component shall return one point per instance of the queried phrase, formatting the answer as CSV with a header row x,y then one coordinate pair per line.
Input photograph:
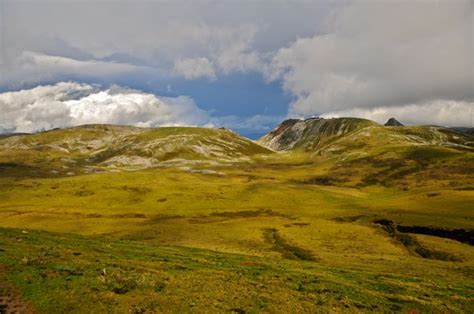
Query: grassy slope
x,y
149,225
98,148
69,270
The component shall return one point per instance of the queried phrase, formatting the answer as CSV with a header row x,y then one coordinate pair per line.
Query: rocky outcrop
x,y
309,133
284,136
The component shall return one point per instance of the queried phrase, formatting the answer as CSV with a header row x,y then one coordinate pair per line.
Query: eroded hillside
x,y
362,153
96,148
325,136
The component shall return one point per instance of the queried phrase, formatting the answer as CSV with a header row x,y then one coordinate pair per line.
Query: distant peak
x,y
393,122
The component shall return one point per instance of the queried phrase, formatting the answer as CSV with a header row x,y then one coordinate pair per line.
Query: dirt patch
x,y
84,193
323,180
160,218
465,188
301,224
281,245
10,297
297,224
224,216
349,218
251,264
136,189
248,214
130,215
401,235
118,216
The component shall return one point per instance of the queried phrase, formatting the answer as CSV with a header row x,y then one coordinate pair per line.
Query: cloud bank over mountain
x,y
444,113
70,104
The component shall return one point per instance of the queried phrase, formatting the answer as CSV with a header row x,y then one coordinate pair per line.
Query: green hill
x,y
360,152
97,148
338,134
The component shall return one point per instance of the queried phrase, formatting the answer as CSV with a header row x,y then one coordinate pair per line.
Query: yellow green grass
x,y
279,232
74,274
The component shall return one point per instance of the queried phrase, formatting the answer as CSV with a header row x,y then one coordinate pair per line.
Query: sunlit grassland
x,y
180,207
142,277
286,232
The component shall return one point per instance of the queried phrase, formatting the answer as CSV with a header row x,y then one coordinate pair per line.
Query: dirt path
x,y
10,297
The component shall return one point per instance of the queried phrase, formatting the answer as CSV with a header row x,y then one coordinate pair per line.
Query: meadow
x,y
277,232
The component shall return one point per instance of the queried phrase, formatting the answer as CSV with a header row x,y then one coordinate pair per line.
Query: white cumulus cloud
x,y
68,104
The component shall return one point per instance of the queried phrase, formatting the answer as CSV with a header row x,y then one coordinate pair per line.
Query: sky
x,y
246,65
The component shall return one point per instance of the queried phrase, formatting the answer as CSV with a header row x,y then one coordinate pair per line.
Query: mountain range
x,y
101,148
